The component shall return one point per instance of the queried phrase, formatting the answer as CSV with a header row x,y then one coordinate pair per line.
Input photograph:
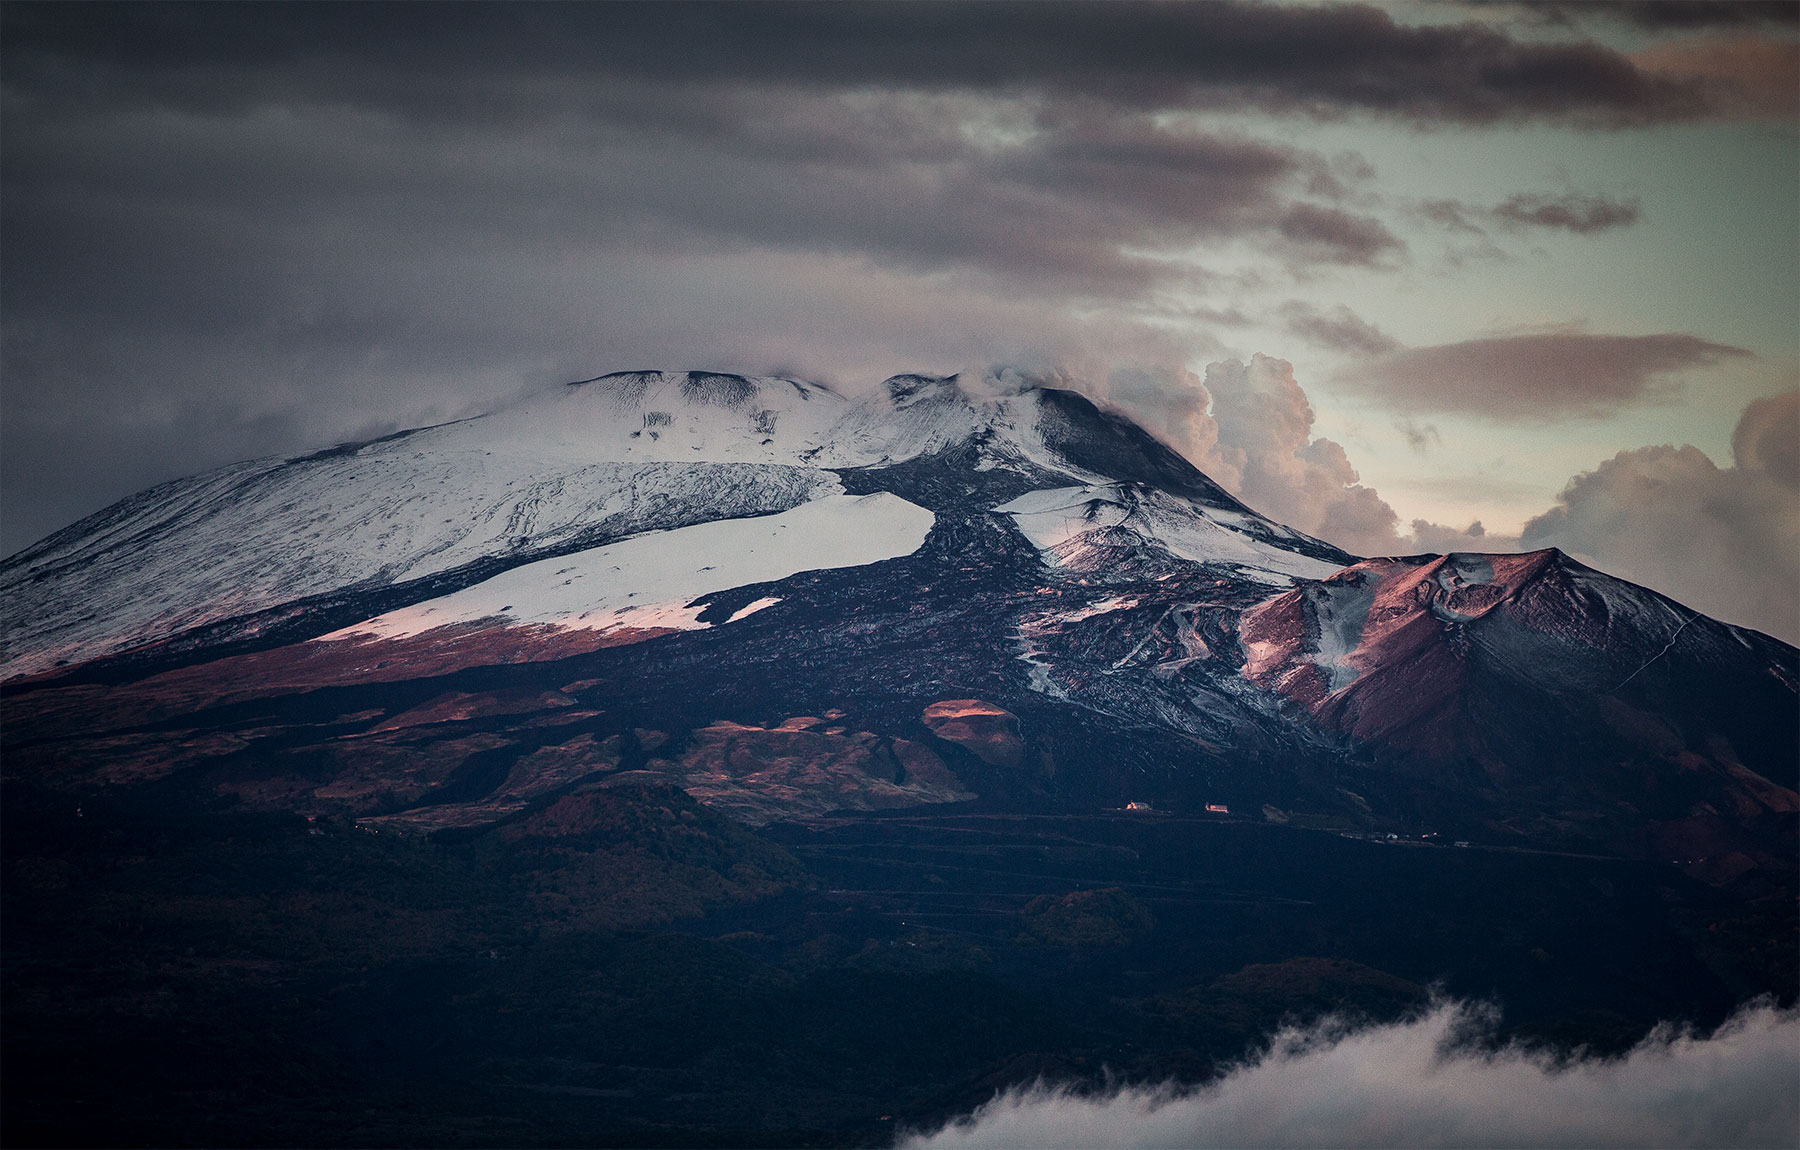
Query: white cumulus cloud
x,y
1723,540
1425,1082
1249,427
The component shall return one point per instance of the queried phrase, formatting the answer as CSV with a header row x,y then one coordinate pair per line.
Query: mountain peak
x,y
1389,650
913,387
288,548
697,388
674,551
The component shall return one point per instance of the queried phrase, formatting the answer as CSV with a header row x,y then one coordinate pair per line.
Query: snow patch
x,y
1464,568
1341,610
1053,517
1039,671
753,608
1104,606
569,466
652,580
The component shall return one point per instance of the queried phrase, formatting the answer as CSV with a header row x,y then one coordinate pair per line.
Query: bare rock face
x,y
989,731
1518,671
1415,653
1379,649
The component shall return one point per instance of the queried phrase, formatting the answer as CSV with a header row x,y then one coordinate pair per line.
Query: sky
x,y
1472,275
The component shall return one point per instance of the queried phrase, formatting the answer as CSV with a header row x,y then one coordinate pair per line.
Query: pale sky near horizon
x,y
1501,246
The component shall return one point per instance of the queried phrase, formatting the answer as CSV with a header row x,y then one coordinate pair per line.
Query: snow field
x,y
652,579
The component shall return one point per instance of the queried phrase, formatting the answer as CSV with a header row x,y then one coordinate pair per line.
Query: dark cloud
x,y
1724,541
1688,14
455,60
232,230
1578,212
1535,377
1223,317
1339,329
1743,76
1659,15
1429,1082
95,413
897,181
282,273
1419,436
1050,196
1331,235
1570,212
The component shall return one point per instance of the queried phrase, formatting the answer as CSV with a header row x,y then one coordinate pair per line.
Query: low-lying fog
x,y
1430,1082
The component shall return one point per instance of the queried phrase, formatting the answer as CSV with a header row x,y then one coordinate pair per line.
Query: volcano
x,y
779,711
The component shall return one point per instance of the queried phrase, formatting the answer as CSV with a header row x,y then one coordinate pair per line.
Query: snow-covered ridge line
x,y
1053,519
569,466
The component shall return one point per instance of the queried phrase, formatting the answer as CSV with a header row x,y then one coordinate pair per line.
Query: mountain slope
x,y
291,548
673,550
685,736
1587,699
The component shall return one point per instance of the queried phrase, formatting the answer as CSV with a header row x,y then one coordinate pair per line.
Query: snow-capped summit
x,y
658,416
286,548
692,577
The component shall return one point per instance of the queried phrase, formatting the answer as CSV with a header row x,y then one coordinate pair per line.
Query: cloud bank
x,y
1744,76
1314,60
1268,457
1249,427
1339,329
1722,540
1424,1083
232,231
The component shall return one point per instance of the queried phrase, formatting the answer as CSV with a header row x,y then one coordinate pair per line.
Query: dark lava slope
x,y
814,855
